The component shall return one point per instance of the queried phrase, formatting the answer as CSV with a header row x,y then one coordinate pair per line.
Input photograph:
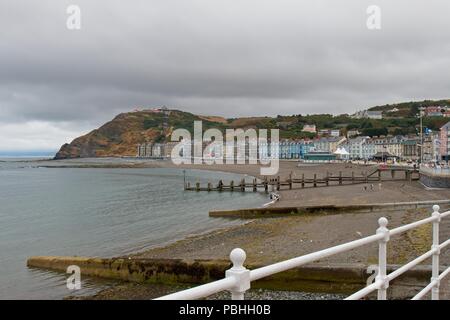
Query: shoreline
x,y
270,240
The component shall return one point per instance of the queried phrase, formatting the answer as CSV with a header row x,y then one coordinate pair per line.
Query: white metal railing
x,y
237,279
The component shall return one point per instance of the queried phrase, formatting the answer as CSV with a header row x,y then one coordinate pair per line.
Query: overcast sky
x,y
215,57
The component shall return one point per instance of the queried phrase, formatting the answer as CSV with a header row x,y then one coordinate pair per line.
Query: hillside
x,y
120,136
408,109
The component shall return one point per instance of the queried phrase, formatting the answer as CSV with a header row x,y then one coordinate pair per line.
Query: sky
x,y
212,57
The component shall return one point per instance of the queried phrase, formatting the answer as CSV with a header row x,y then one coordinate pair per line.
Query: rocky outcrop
x,y
118,137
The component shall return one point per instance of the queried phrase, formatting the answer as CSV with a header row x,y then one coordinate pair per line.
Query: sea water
x,y
97,212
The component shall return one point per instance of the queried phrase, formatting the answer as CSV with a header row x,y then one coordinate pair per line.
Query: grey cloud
x,y
231,58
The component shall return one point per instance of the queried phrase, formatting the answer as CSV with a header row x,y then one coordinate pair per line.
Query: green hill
x,y
120,136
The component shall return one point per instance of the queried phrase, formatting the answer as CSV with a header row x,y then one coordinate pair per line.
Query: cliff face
x,y
118,137
121,136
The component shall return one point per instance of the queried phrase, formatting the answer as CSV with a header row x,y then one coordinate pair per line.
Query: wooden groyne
x,y
406,174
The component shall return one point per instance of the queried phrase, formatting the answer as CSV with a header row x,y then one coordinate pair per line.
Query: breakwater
x,y
267,212
335,278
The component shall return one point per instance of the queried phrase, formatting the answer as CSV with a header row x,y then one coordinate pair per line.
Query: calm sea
x,y
96,212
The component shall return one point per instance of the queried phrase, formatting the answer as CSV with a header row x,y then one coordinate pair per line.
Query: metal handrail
x,y
299,261
237,279
202,291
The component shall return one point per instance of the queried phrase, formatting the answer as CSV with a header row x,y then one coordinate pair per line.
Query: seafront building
x,y
444,140
435,147
328,144
390,145
150,150
431,148
294,149
360,148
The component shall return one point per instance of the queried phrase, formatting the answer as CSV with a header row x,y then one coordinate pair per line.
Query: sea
x,y
98,212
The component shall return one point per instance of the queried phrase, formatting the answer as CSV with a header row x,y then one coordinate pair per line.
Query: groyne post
x,y
315,180
340,177
303,180
254,185
232,185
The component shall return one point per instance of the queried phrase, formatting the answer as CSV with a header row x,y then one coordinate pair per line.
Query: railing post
x,y
242,274
382,259
435,246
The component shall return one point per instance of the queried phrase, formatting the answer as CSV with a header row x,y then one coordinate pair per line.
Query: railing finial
x,y
237,257
240,273
436,208
383,222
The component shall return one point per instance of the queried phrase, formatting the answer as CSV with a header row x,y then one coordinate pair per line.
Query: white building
x,y
328,144
335,133
366,114
392,145
360,148
309,128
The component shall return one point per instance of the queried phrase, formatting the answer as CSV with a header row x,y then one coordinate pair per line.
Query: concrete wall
x,y
434,181
337,278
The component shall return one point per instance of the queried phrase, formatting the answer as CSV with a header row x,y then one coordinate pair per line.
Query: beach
x,y
270,240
